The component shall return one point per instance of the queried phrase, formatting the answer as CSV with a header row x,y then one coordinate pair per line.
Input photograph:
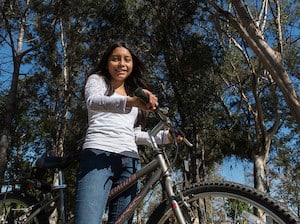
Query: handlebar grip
x,y
141,94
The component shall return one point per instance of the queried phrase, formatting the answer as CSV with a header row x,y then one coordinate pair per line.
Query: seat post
x,y
61,186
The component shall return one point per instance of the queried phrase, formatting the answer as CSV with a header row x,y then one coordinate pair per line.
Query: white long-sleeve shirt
x,y
111,123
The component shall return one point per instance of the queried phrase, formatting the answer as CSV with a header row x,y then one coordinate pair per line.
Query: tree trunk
x,y
3,154
259,177
17,55
61,113
259,172
10,112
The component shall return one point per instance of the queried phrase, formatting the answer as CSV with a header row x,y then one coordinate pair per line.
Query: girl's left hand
x,y
152,104
179,138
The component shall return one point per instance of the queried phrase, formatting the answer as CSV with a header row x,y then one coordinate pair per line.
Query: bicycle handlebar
x,y
162,113
141,94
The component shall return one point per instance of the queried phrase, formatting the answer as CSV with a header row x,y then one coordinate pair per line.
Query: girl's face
x,y
120,64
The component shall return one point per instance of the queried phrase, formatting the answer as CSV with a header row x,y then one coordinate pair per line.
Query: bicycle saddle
x,y
52,162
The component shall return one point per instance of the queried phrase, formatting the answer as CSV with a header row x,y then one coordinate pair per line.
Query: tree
x,y
15,33
261,97
252,33
185,69
63,40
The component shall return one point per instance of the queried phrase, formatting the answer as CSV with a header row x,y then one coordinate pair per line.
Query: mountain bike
x,y
204,202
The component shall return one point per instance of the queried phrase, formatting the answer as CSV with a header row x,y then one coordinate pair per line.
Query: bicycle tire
x,y
15,207
209,190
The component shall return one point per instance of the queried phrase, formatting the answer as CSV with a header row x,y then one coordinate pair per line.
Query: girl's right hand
x,y
138,102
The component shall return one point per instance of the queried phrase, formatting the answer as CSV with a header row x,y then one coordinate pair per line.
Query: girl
x,y
110,152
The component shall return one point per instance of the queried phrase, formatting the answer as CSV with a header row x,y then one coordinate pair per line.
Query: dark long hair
x,y
137,79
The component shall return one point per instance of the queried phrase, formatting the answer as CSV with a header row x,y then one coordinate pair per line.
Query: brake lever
x,y
187,142
184,139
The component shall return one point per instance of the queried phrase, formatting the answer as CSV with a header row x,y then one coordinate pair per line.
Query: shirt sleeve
x,y
96,99
142,137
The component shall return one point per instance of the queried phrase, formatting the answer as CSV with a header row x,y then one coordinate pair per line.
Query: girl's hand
x,y
138,102
152,103
179,138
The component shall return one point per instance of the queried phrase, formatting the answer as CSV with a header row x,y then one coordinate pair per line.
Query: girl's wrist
x,y
131,101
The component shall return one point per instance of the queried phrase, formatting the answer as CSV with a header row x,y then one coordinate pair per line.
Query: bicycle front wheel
x,y
225,202
16,207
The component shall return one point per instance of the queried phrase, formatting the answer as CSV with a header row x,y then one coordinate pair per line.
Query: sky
x,y
235,171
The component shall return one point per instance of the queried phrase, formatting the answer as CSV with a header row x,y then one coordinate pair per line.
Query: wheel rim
x,y
14,211
218,207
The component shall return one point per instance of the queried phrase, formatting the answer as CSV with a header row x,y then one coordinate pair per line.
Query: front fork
x,y
168,182
169,188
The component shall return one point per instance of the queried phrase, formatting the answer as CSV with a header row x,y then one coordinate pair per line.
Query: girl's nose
x,y
121,62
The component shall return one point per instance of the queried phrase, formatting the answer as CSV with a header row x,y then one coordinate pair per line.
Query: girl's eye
x,y
115,59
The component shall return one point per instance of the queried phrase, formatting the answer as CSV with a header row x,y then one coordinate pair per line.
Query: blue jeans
x,y
99,171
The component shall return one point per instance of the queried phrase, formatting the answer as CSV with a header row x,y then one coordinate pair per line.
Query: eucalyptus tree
x,y
63,61
251,28
186,68
254,79
19,40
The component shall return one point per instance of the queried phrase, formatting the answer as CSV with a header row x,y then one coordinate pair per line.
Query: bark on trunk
x,y
3,154
259,177
10,111
259,173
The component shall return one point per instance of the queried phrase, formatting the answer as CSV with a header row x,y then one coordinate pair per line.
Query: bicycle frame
x,y
158,168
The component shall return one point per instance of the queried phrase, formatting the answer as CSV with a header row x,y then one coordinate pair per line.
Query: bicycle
x,y
204,202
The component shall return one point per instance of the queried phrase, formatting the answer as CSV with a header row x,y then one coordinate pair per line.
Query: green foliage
x,y
205,81
284,173
235,208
